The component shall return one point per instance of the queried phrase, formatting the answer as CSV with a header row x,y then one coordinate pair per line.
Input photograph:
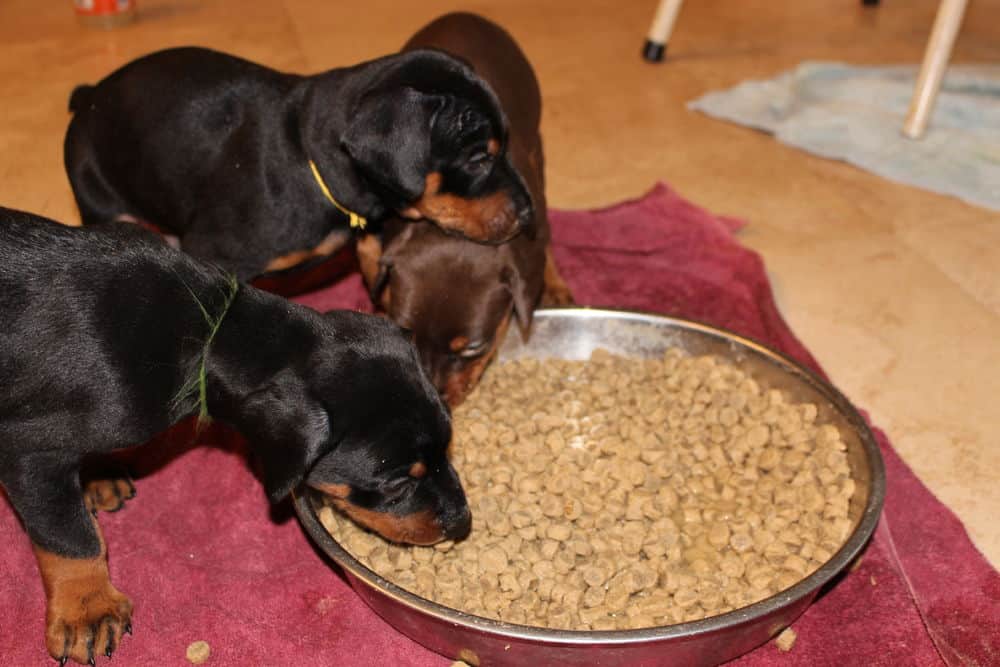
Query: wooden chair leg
x,y
946,25
659,31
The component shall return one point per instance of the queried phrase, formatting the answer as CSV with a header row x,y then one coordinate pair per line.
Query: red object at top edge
x,y
103,7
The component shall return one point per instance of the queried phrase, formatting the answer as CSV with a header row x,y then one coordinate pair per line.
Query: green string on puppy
x,y
196,383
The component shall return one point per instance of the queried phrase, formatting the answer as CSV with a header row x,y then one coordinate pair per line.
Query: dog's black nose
x,y
459,527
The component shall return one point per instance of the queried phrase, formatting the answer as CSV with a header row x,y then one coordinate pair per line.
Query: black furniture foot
x,y
653,52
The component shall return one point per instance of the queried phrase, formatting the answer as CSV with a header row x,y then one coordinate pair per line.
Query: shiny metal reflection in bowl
x,y
573,333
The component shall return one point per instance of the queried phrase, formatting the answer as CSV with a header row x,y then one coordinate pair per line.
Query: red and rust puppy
x,y
456,296
257,170
108,336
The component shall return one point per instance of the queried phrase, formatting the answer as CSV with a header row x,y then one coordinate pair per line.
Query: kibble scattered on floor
x,y
786,640
198,652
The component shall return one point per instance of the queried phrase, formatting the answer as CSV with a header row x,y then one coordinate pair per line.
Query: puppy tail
x,y
80,98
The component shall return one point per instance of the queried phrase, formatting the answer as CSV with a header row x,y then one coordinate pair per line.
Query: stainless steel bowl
x,y
573,333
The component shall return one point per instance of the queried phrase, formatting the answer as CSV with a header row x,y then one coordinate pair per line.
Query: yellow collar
x,y
356,220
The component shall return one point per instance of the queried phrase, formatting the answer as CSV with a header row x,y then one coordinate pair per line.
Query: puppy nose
x,y
460,526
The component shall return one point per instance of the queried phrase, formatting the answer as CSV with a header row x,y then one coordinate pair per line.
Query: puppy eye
x,y
474,349
397,488
480,159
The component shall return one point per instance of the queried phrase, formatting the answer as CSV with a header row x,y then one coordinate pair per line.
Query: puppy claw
x,y
128,628
83,622
108,495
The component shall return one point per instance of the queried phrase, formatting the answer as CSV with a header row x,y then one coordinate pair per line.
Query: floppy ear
x,y
524,276
287,430
389,138
378,288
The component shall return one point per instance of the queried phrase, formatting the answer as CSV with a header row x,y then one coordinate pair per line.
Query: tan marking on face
x,y
334,490
418,470
333,242
486,219
458,343
417,528
493,147
458,385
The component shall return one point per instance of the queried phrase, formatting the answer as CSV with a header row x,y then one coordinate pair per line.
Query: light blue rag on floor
x,y
856,114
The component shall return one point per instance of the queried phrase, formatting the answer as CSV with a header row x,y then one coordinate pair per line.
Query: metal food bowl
x,y
573,333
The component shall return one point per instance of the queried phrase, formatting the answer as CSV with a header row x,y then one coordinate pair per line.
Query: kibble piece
x,y
198,652
572,508
786,640
718,535
685,598
732,566
493,560
595,575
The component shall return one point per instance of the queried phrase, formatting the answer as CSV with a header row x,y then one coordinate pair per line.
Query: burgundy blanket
x,y
204,558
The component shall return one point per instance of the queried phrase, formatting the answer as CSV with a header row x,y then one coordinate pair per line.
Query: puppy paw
x,y
557,294
83,621
108,495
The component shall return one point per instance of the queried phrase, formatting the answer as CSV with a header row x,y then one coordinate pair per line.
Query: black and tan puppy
x,y
108,336
257,170
457,297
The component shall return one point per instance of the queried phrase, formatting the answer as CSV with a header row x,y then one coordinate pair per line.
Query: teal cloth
x,y
856,114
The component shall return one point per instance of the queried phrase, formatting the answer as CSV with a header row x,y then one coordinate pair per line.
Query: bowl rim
x,y
745,615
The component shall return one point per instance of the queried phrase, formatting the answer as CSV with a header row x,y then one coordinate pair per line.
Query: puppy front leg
x,y
556,292
85,613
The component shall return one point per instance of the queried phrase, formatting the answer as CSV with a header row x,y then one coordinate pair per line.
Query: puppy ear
x,y
378,287
287,430
389,139
524,295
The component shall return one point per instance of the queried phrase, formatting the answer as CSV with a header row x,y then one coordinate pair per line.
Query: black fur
x,y
215,149
100,329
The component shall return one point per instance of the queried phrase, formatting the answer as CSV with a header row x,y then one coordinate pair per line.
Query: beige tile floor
x,y
894,289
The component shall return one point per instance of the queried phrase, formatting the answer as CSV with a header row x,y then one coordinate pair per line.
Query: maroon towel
x,y
203,557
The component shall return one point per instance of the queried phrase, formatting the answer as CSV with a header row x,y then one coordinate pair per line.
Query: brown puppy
x,y
454,295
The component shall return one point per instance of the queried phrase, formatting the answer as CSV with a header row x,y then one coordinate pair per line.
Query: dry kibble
x,y
786,640
593,596
741,542
718,535
640,493
732,566
198,652
686,597
594,575
493,560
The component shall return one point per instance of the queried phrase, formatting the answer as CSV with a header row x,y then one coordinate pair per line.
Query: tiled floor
x,y
895,290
